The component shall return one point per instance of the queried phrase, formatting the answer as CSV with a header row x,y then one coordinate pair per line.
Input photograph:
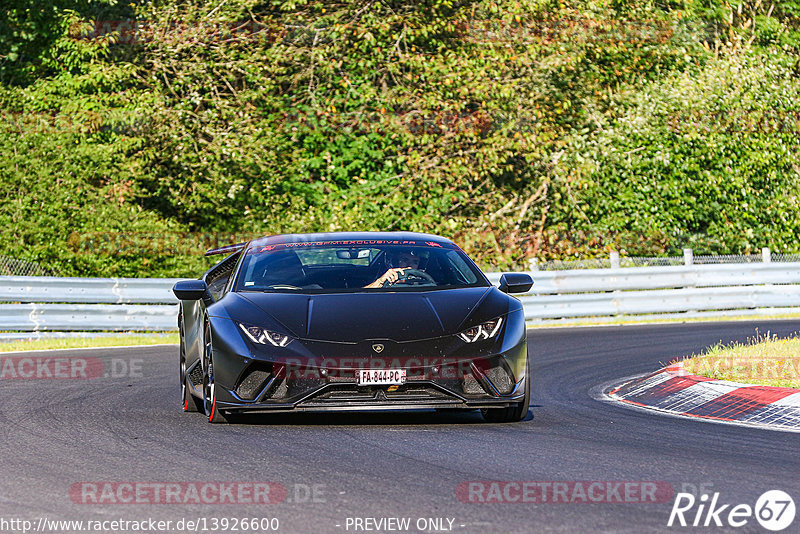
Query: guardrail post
x,y
766,255
614,257
688,257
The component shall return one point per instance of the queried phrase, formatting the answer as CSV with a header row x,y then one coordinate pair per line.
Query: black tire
x,y
188,401
209,387
512,414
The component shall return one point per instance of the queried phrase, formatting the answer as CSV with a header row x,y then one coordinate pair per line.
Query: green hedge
x,y
519,128
708,161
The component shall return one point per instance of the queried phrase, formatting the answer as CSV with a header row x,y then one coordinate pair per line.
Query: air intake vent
x,y
281,390
253,382
500,378
471,386
196,375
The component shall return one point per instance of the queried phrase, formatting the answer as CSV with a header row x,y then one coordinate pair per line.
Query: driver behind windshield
x,y
399,262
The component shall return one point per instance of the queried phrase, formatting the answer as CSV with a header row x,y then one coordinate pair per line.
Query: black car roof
x,y
348,236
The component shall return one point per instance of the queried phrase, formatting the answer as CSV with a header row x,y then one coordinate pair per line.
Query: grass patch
x,y
85,342
764,360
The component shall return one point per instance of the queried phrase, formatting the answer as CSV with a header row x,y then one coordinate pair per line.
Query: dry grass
x,y
764,360
85,342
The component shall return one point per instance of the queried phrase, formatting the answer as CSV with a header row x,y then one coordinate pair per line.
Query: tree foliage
x,y
519,128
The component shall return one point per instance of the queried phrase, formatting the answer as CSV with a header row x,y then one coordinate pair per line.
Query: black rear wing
x,y
227,249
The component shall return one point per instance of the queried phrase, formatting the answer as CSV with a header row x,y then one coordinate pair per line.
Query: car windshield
x,y
349,266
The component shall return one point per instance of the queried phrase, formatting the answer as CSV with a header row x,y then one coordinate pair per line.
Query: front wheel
x,y
189,403
209,388
512,414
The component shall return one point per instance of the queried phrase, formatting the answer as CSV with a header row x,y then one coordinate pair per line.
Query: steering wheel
x,y
412,277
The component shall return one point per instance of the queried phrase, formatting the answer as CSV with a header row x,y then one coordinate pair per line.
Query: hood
x,y
353,317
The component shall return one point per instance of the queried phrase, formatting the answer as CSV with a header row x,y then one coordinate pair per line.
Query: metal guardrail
x,y
84,304
87,290
642,278
653,292
77,317
34,303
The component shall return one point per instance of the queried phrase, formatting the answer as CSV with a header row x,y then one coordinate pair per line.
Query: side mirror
x,y
515,283
190,289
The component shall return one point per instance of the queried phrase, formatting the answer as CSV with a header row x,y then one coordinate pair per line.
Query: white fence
x,y
84,304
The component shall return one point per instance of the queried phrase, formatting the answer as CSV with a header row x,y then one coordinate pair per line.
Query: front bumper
x,y
414,395
458,376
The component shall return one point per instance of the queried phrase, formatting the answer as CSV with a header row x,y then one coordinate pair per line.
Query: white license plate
x,y
380,377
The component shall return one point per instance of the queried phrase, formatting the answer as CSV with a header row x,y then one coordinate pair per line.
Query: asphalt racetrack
x,y
346,473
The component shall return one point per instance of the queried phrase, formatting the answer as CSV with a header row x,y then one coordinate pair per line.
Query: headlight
x,y
482,331
264,337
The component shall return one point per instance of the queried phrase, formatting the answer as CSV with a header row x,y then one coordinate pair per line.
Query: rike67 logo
x,y
774,510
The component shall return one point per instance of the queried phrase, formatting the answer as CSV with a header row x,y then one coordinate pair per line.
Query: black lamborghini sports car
x,y
354,322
